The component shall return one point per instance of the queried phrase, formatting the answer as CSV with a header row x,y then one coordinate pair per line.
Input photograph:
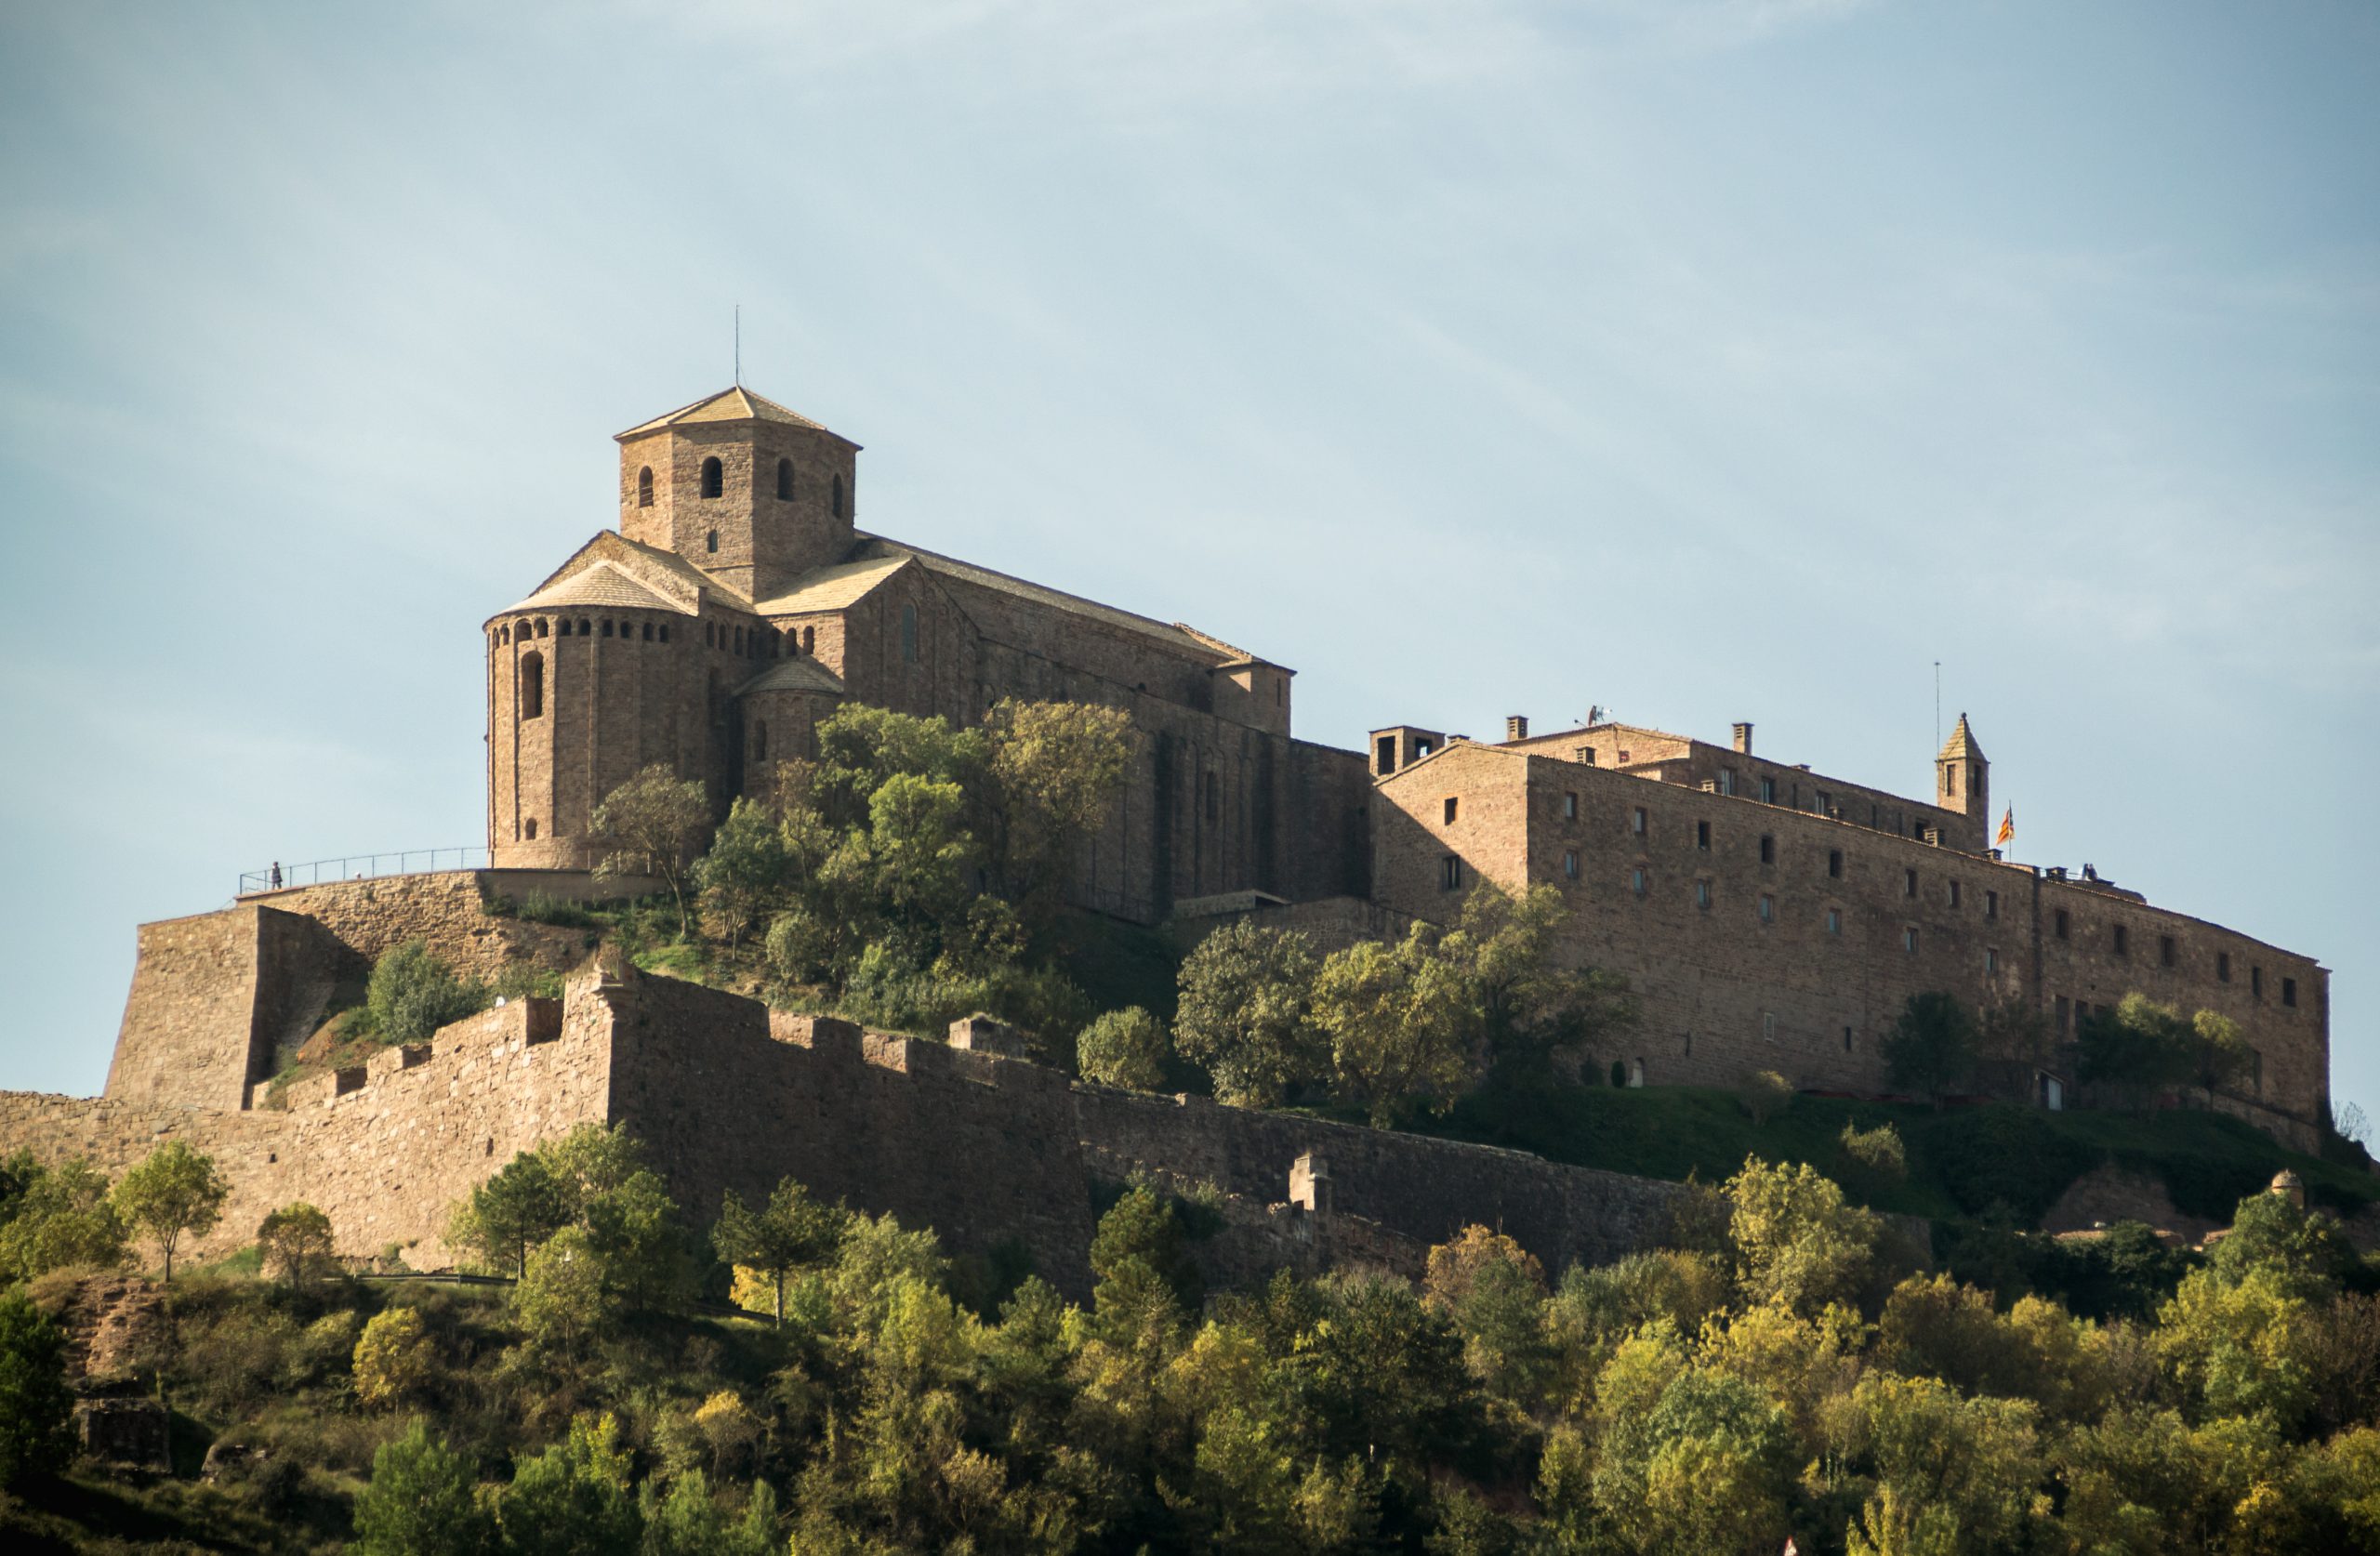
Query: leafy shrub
x,y
33,1401
2010,1157
62,1217
422,1501
540,907
1765,1094
1123,1047
1875,1157
413,993
395,1360
296,1240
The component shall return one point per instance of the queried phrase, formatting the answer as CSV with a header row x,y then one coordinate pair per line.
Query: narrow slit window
x,y
1767,848
1450,873
1702,836
644,487
1570,863
533,685
1834,862
1451,806
784,480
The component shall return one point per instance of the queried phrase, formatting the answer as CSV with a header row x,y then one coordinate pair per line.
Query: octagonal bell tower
x,y
749,492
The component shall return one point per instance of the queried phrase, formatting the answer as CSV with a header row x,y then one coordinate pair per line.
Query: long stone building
x,y
1769,916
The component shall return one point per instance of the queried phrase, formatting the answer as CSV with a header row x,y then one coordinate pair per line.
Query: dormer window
x,y
644,487
784,480
714,479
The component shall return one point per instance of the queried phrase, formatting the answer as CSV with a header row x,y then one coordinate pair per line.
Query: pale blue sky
x,y
1706,361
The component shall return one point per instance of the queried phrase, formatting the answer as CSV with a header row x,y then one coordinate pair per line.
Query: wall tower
x,y
1963,782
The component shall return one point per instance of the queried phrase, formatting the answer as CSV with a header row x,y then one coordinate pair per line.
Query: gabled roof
x,y
1962,744
802,674
832,588
605,584
737,404
1181,640
677,583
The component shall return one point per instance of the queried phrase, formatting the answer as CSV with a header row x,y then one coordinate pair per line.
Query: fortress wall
x,y
214,996
385,1158
980,1149
439,908
1411,1186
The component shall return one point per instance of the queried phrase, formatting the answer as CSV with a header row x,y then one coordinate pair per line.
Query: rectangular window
x,y
1767,908
1834,921
1385,759
1702,836
2121,940
1769,791
1954,894
1909,938
1727,780
1767,848
2062,925
908,634
1992,904
1991,959
2166,955
1451,806
1636,821
1768,1026
1909,883
1637,880
1587,755
1702,893
2289,991
2223,967
1847,1039
2256,982
1570,863
1824,807
1569,807
1450,873
1834,862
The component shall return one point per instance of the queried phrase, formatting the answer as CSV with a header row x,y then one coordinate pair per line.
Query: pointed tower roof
x,y
737,403
1962,744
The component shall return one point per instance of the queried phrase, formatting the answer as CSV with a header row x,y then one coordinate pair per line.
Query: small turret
x,y
1963,782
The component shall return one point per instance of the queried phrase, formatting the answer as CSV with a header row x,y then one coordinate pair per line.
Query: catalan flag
x,y
2007,828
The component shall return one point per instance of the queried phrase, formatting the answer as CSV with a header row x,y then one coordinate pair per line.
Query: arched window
x,y
648,632
644,487
809,639
739,641
784,480
777,644
503,635
584,630
541,626
839,496
566,627
714,479
532,826
710,541
665,631
532,701
761,742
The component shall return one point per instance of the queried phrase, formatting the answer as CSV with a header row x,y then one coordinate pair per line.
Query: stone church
x,y
1769,916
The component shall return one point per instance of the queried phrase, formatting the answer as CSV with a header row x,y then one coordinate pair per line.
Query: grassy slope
x,y
1962,1162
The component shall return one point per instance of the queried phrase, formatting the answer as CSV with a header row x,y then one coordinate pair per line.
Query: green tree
x,y
1242,1013
1059,767
422,1501
744,871
563,1301
175,1191
573,1499
1125,1048
630,1223
1798,1243
296,1240
648,826
395,1359
62,1215
412,992
792,1230
34,1403
505,1216
1398,1022
2218,1050
2137,1050
1140,1246
1526,1006
1931,1047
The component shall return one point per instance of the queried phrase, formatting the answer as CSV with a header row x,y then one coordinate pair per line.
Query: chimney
x,y
1517,727
1743,739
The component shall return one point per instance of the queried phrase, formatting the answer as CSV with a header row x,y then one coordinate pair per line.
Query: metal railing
x,y
361,867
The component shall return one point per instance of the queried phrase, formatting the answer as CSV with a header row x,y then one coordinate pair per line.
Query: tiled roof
x,y
733,404
832,588
804,673
1961,744
605,584
1179,639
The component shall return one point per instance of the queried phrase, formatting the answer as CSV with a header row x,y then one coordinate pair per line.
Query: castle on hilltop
x,y
1767,918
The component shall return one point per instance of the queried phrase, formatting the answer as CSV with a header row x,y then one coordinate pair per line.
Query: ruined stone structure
x,y
1767,918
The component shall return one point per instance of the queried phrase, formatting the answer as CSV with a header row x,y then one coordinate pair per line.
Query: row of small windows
x,y
714,484
524,630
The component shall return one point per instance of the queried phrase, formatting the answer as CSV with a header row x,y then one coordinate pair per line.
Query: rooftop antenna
x,y
1938,704
739,384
